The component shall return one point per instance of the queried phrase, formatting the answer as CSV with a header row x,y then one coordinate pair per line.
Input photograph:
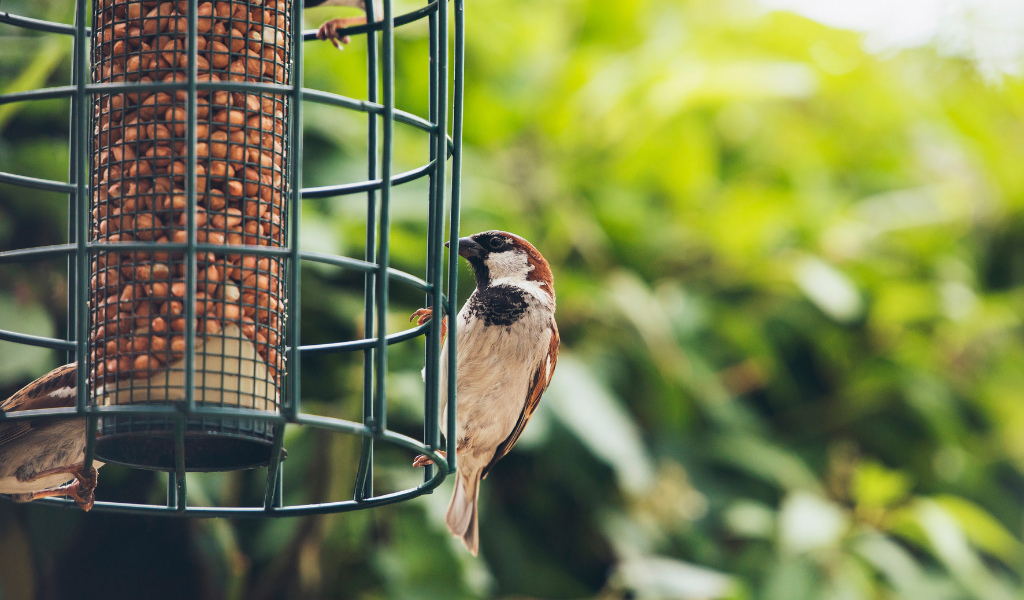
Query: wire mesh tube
x,y
142,297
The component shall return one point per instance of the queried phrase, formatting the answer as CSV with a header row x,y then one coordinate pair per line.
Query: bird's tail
x,y
462,511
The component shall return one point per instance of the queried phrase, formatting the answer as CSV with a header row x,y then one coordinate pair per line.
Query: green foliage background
x,y
790,293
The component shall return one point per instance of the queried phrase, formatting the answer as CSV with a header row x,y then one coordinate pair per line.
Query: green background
x,y
791,291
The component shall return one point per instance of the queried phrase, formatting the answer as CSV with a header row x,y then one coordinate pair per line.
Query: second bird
x,y
507,344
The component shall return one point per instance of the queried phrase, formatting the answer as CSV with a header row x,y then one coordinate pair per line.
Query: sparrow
x,y
507,350
329,30
39,456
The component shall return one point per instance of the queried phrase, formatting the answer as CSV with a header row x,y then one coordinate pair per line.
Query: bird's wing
x,y
541,379
56,389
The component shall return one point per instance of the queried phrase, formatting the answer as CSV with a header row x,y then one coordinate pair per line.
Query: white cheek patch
x,y
65,392
508,265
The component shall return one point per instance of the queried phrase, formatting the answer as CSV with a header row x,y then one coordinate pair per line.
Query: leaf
x,y
949,544
982,529
874,486
809,522
766,461
19,360
829,289
901,569
657,577
47,59
589,410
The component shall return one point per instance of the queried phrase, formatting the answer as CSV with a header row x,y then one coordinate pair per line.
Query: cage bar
x,y
178,423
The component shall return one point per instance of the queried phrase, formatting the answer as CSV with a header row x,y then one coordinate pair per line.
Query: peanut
x,y
139,179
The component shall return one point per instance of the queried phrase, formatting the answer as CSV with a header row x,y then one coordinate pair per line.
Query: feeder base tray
x,y
204,451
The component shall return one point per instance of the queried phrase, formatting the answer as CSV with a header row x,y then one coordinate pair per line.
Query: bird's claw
x,y
423,460
83,497
82,490
329,30
423,315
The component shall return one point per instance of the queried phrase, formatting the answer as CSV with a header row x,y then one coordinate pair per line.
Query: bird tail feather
x,y
462,510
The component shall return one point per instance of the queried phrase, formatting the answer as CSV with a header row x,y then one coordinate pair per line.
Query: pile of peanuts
x,y
139,188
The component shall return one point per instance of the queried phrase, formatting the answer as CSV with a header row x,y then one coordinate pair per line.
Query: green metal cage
x,y
381,117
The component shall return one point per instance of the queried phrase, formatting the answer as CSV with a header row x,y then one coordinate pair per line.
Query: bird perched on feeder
x,y
39,456
329,30
507,349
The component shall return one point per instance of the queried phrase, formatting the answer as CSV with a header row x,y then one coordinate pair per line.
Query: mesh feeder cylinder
x,y
140,297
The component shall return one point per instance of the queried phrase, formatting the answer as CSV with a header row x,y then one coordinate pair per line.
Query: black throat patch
x,y
480,272
501,305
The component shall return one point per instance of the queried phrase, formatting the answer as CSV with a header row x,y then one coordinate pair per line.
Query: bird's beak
x,y
468,248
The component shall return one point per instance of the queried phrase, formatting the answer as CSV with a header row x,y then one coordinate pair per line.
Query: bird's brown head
x,y
500,257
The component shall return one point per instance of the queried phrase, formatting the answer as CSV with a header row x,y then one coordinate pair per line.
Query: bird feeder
x,y
184,239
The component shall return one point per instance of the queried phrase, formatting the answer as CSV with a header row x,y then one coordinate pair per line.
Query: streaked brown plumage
x,y
39,456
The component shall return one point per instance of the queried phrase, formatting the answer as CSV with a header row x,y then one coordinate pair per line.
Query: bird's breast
x,y
496,365
502,305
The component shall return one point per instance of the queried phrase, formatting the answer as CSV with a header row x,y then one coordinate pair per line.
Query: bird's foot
x,y
82,497
88,481
423,460
423,315
82,490
329,30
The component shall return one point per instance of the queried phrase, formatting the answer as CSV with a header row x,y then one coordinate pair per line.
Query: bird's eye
x,y
496,243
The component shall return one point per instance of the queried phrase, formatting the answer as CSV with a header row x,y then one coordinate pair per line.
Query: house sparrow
x,y
39,456
329,30
507,349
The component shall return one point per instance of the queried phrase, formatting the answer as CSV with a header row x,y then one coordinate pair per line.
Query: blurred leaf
x,y
750,519
766,461
590,411
901,568
21,317
809,522
34,75
982,529
790,579
655,577
829,289
950,545
874,486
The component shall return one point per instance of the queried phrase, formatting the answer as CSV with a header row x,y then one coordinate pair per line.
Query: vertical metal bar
x,y
179,461
190,191
172,490
82,200
279,487
364,474
273,480
433,256
453,236
73,176
80,121
432,117
292,405
380,416
440,181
